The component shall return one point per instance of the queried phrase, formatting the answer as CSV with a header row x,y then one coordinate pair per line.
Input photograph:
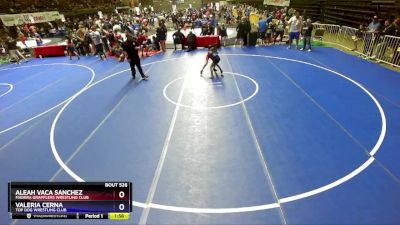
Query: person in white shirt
x,y
98,43
295,24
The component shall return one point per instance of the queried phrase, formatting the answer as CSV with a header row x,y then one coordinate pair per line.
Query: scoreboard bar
x,y
90,216
52,200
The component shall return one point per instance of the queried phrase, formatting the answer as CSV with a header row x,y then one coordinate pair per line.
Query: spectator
x,y
269,33
295,24
22,38
210,29
375,26
71,50
262,27
372,34
155,43
38,38
222,32
178,38
81,36
97,42
13,50
396,46
388,29
142,41
161,33
280,30
191,41
118,52
243,30
307,32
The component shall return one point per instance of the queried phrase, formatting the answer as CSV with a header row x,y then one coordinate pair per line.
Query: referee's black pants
x,y
133,63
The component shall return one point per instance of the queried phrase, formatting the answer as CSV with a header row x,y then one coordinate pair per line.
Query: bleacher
x,y
347,12
63,6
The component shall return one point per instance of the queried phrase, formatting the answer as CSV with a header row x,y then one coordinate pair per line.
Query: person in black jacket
x,y
240,32
178,38
247,29
131,50
307,33
222,32
243,29
161,34
191,41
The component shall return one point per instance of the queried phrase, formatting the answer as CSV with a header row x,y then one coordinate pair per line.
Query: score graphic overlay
x,y
70,200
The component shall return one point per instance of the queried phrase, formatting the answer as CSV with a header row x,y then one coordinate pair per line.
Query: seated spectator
x,y
13,50
191,41
204,31
118,52
142,41
210,29
178,38
155,44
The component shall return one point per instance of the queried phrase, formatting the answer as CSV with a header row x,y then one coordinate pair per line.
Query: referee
x,y
131,50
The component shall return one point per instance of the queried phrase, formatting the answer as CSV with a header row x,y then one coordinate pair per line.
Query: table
x,y
49,50
205,41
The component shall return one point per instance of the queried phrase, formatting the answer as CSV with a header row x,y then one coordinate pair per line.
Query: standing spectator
x,y
22,38
178,38
295,24
97,42
222,32
396,46
38,38
81,34
375,26
388,29
374,29
247,29
161,33
262,27
243,30
71,50
111,38
131,51
280,30
269,33
307,32
104,37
